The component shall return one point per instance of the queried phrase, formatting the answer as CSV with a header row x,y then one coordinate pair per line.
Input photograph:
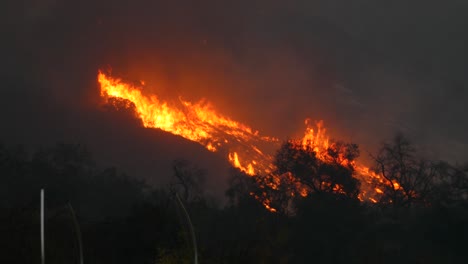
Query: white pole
x,y
42,228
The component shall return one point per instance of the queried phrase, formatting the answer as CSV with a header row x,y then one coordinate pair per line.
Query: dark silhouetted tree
x,y
450,185
332,173
187,181
408,179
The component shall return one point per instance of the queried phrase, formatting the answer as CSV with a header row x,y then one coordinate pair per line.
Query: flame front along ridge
x,y
199,122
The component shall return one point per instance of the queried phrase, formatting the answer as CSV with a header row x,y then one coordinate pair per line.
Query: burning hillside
x,y
243,146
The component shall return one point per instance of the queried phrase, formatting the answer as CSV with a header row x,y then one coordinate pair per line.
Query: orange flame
x,y
196,122
199,122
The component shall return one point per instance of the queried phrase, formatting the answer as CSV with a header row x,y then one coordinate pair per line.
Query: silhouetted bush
x,y
123,220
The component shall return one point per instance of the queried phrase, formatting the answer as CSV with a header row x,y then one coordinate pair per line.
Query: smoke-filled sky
x,y
368,68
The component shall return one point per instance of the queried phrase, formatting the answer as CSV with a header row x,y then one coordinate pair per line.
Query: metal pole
x,y
192,231
77,232
42,228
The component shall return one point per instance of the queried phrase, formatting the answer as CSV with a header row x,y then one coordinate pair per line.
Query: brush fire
x,y
243,146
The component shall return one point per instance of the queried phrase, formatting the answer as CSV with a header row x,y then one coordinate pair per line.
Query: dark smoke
x,y
368,68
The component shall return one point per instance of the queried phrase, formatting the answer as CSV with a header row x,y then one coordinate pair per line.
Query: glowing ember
x,y
199,122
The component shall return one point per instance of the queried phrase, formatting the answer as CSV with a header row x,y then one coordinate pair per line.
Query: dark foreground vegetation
x,y
122,220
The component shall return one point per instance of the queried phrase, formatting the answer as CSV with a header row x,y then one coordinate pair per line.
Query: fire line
x,y
199,122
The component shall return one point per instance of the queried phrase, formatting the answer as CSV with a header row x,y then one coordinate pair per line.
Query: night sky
x,y
368,68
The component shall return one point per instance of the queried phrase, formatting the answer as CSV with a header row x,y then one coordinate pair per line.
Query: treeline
x,y
422,219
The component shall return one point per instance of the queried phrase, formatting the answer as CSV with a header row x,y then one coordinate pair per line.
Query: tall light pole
x,y
42,228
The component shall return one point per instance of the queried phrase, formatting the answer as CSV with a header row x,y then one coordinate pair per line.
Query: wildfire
x,y
199,122
196,122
